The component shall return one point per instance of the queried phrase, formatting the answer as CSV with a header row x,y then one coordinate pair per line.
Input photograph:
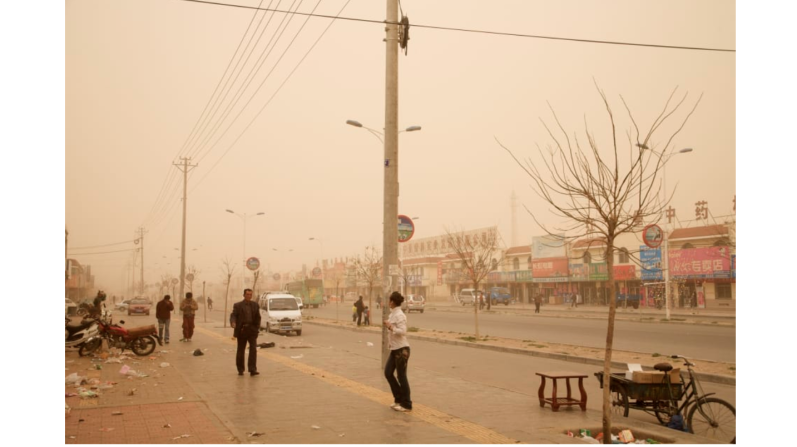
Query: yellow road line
x,y
453,424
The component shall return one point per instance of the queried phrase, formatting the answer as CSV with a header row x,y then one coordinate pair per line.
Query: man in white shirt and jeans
x,y
399,354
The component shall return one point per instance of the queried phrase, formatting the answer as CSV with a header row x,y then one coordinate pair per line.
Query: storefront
x,y
703,277
551,276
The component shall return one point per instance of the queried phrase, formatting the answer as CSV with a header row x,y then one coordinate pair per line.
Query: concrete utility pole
x,y
141,240
390,215
185,168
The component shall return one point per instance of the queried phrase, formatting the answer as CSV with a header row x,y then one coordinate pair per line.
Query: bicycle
x,y
710,417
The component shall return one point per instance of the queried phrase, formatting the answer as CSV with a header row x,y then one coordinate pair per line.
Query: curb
x,y
714,378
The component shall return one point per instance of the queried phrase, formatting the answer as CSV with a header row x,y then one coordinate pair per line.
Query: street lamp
x,y
665,257
379,135
389,139
282,253
244,218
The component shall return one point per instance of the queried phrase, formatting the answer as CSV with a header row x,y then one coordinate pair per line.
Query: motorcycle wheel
x,y
89,347
143,346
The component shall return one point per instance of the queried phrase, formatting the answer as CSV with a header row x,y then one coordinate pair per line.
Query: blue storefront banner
x,y
651,263
733,266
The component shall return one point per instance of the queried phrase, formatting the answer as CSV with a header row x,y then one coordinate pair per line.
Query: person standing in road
x,y
245,321
537,302
360,308
163,312
189,307
210,304
399,354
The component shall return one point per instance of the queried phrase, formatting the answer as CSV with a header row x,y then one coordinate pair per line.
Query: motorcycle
x,y
141,340
83,335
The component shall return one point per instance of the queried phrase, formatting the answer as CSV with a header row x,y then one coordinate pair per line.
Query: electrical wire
x,y
98,246
271,98
498,33
103,252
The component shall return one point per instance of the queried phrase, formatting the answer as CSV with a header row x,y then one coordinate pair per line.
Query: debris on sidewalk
x,y
74,379
67,409
369,344
117,413
167,425
165,365
342,435
198,352
180,398
107,429
124,370
113,360
181,436
297,356
255,434
86,394
132,392
315,427
270,344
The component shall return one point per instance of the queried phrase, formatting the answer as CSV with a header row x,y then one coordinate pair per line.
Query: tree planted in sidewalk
x,y
227,269
369,269
479,253
602,192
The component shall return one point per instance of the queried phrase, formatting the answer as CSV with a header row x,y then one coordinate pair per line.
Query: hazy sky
x,y
139,74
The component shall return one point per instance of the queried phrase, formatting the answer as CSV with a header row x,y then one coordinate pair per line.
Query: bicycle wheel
x,y
713,418
619,400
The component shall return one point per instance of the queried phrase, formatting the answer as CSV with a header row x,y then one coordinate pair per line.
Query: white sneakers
x,y
398,407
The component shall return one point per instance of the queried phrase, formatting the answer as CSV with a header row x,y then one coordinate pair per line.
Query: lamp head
x,y
354,123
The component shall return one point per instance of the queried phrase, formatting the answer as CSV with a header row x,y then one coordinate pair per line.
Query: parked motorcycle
x,y
141,340
83,335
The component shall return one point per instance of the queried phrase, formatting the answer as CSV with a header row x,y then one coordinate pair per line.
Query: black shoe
x,y
240,373
254,373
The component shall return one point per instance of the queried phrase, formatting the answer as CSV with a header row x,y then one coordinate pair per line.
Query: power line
x,y
270,99
465,30
102,252
98,246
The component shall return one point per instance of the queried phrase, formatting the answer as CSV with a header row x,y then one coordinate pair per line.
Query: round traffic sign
x,y
276,277
653,236
175,280
405,228
189,277
317,271
253,263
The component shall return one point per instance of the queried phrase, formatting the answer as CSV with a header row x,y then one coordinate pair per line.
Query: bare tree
x,y
228,268
369,268
602,194
194,272
479,254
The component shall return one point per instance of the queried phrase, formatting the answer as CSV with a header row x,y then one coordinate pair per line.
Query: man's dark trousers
x,y
359,317
247,335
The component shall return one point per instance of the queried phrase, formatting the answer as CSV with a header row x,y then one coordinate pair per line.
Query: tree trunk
x,y
476,310
226,296
607,362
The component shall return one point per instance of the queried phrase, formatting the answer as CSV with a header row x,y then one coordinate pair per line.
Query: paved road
x,y
695,341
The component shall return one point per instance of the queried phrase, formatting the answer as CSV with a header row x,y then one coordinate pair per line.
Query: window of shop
x,y
516,264
723,291
528,260
622,256
687,246
587,257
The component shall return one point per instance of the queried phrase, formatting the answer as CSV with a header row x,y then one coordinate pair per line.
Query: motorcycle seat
x,y
72,328
665,367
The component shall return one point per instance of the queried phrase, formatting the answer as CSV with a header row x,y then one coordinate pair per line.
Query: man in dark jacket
x,y
245,321
163,312
360,308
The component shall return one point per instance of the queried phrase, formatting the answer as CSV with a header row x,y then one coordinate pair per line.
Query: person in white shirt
x,y
399,354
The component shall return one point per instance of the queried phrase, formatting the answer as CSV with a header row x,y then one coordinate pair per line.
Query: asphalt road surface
x,y
704,342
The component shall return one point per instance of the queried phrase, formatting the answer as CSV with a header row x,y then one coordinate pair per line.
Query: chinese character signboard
x,y
733,264
578,272
598,271
439,273
651,263
523,276
692,263
549,269
624,272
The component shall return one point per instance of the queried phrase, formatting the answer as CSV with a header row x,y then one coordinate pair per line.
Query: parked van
x,y
468,296
500,295
280,312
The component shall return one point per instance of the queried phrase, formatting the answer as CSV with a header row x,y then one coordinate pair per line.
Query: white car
x,y
280,312
413,302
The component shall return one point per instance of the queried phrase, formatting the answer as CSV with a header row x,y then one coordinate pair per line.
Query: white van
x,y
468,296
280,312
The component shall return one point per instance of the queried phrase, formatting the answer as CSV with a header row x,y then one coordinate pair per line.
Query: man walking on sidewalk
x,y
399,354
163,312
189,308
245,321
360,308
537,302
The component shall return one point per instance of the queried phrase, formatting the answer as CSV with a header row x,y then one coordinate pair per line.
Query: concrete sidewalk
x,y
327,388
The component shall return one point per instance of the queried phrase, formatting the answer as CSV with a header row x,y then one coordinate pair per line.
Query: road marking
x,y
453,424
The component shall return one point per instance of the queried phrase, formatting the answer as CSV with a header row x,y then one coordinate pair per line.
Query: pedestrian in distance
x,y
537,302
353,313
189,307
367,315
481,300
399,356
360,308
210,304
96,312
163,312
245,321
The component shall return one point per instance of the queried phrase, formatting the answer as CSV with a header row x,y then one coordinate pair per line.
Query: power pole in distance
x,y
184,168
140,240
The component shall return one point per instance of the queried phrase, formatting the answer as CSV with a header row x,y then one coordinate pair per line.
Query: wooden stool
x,y
557,402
